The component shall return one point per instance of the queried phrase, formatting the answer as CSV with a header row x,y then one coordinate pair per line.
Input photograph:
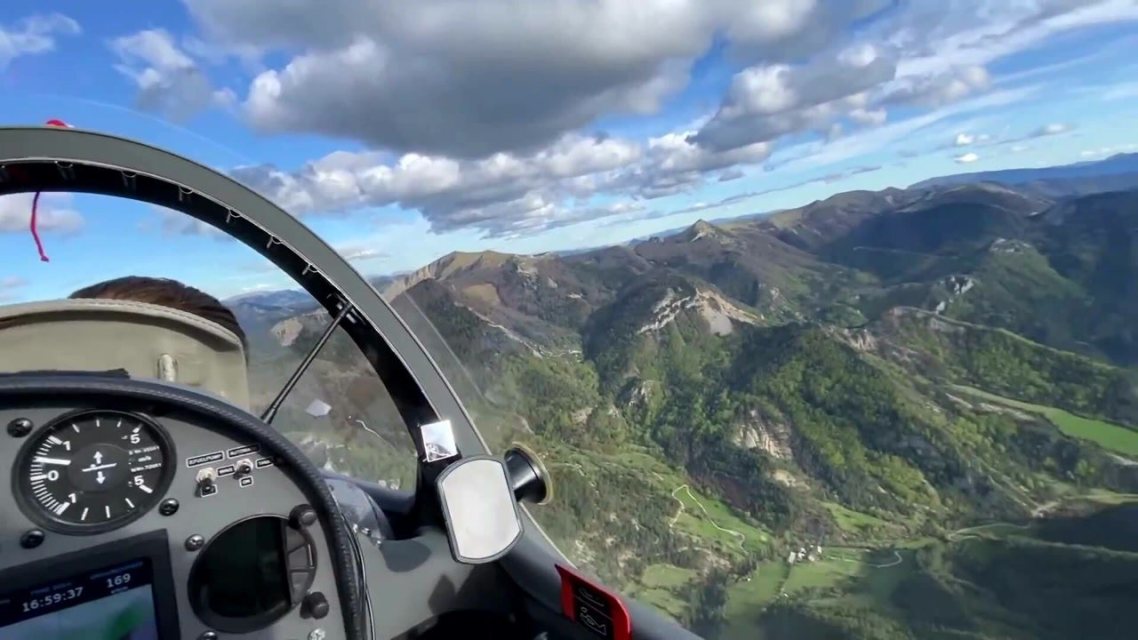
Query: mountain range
x,y
1118,172
910,413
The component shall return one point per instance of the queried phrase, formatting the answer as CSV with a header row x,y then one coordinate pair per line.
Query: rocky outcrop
x,y
717,311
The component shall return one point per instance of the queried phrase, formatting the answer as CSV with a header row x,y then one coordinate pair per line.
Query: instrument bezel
x,y
36,512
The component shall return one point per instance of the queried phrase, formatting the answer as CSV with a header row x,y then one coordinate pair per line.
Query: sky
x,y
403,131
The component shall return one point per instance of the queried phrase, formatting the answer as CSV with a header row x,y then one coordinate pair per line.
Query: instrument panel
x,y
125,524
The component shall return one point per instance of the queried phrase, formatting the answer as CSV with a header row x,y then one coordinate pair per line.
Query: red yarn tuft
x,y
33,225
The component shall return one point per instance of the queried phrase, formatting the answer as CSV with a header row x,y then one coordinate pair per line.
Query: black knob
x,y
20,427
31,539
314,605
168,507
528,477
302,516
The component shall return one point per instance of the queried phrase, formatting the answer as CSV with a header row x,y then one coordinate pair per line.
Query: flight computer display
x,y
112,603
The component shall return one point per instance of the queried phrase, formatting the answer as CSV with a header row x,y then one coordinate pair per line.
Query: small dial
x,y
93,471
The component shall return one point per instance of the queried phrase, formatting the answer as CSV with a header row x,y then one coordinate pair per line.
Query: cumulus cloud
x,y
475,110
765,102
963,139
54,213
169,81
33,35
505,192
925,55
469,78
967,158
473,77
938,89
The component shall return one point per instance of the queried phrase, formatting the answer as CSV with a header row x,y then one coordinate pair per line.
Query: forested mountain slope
x,y
854,419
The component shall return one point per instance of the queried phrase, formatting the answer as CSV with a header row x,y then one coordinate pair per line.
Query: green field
x,y
1107,435
866,577
746,599
660,587
864,525
821,574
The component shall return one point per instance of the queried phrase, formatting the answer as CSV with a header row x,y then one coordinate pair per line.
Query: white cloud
x,y
54,213
9,286
477,111
34,35
360,252
169,81
171,222
469,78
505,192
1101,151
869,117
1051,129
967,158
941,88
948,34
767,101
925,54
936,125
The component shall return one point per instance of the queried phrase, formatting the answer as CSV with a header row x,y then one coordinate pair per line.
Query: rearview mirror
x,y
483,521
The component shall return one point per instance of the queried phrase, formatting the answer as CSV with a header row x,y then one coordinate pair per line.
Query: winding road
x,y
739,536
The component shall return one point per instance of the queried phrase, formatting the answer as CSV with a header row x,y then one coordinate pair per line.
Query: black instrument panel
x,y
102,484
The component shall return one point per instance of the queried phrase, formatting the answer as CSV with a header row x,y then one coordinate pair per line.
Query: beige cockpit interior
x,y
147,341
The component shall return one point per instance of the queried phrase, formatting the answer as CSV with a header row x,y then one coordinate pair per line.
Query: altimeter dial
x,y
93,471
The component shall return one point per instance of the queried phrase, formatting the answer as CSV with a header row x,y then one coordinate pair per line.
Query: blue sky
x,y
402,132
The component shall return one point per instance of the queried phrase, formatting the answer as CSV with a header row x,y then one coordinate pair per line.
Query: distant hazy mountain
x,y
1116,173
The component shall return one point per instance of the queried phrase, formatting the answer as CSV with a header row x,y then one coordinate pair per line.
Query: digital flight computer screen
x,y
115,602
